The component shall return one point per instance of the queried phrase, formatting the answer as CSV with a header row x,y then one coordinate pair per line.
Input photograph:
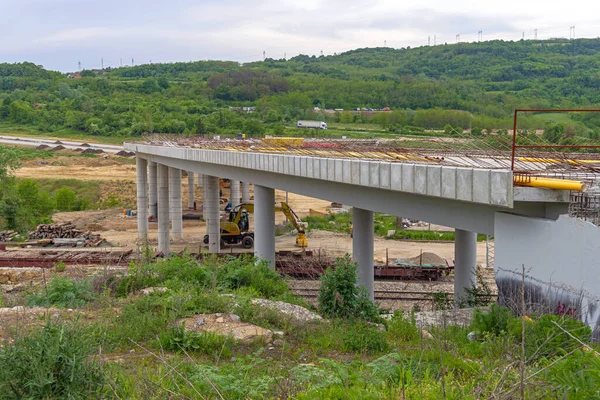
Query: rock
x,y
297,313
473,336
239,330
278,333
234,318
200,322
270,348
151,290
233,358
425,334
278,342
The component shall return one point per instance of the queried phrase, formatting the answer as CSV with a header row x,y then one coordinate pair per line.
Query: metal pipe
x,y
163,208
142,197
548,183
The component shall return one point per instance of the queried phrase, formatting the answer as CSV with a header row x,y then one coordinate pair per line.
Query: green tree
x,y
65,199
346,117
553,132
253,127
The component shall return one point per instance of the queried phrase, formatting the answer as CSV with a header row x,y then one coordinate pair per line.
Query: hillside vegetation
x,y
466,84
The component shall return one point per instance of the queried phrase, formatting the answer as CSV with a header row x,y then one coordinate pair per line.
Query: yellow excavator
x,y
236,229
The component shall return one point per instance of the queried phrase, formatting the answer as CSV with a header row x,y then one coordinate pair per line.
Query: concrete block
x,y
434,181
396,176
297,170
330,169
339,172
481,186
355,172
364,173
346,171
384,175
464,184
271,166
408,178
501,191
282,160
316,168
374,173
290,167
420,179
310,168
449,182
323,168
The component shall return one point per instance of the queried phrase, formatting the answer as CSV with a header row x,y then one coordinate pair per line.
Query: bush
x,y
244,272
65,199
402,329
63,292
495,321
544,339
50,364
339,295
178,339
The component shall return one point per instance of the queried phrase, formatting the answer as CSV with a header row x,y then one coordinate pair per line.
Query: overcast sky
x,y
59,33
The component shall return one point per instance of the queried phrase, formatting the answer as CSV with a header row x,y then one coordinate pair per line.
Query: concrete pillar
x,y
191,190
141,166
363,247
245,192
234,187
264,224
211,213
465,263
162,173
153,187
175,202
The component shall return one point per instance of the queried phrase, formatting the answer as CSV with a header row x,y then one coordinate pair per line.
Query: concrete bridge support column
x,y
465,263
175,202
363,247
264,221
211,213
234,188
162,172
245,192
191,190
153,187
142,197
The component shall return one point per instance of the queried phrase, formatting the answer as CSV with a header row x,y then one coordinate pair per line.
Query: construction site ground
x,y
118,175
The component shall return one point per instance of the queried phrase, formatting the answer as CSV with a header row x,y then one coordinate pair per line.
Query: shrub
x,y
364,337
544,339
65,199
339,295
63,292
494,321
244,272
50,364
178,339
401,328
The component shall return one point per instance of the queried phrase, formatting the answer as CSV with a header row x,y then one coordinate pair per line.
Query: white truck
x,y
312,124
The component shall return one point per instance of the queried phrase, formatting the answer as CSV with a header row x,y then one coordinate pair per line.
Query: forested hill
x,y
487,79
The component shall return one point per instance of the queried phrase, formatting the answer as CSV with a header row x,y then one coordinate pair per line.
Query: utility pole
x,y
523,35
132,61
458,38
535,34
479,36
79,66
434,40
572,32
121,60
264,55
102,62
428,40
285,56
385,43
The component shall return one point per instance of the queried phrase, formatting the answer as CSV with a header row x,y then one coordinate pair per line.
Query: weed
x,y
63,292
442,301
494,321
60,267
52,363
178,339
402,329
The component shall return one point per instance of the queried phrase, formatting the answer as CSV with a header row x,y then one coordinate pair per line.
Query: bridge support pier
x,y
211,213
175,201
234,188
163,208
142,198
152,184
264,221
245,192
465,264
363,247
191,190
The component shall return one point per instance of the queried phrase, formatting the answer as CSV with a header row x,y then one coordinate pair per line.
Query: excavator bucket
x,y
301,240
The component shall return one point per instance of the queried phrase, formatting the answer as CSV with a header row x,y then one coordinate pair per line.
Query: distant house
x,y
73,76
99,71
249,109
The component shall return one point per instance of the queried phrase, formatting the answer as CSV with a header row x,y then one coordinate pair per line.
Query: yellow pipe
x,y
549,183
553,161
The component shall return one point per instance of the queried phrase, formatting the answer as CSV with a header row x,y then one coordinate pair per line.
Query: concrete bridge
x,y
529,224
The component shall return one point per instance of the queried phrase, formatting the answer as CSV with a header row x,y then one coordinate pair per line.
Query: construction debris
x,y
66,230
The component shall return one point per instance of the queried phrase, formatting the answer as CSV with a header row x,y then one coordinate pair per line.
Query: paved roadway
x,y
34,142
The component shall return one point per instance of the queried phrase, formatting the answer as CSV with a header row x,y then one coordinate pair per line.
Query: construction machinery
x,y
236,230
